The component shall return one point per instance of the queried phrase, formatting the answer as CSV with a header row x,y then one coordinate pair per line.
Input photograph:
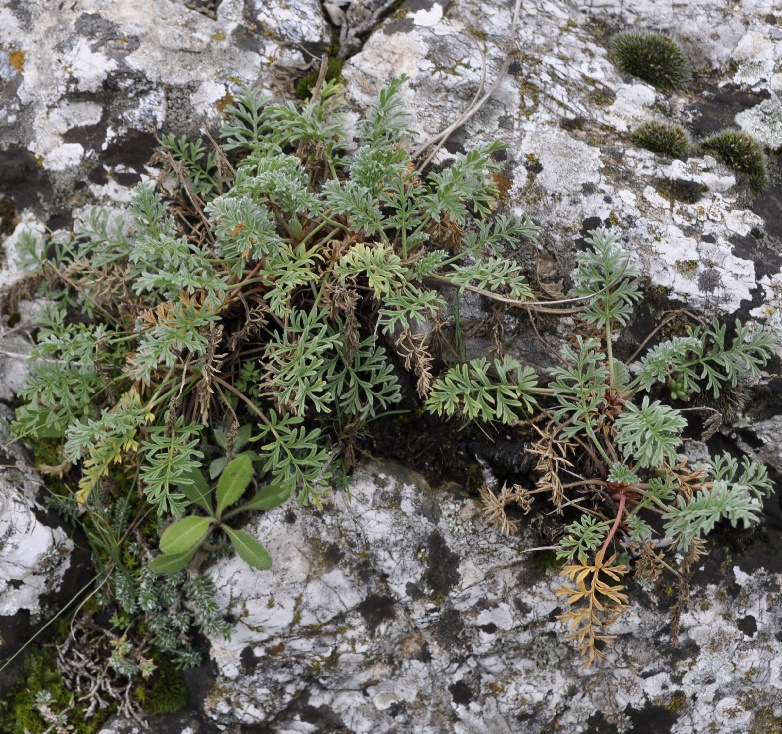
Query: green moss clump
x,y
651,57
19,713
663,139
166,691
742,153
307,83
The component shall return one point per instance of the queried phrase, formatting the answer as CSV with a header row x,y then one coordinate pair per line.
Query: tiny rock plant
x,y
651,57
610,446
248,315
662,138
743,153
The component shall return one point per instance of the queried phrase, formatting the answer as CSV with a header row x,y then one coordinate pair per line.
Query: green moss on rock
x,y
307,83
651,57
743,154
167,691
18,711
663,139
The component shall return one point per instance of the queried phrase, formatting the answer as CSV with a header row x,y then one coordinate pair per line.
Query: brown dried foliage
x,y
602,603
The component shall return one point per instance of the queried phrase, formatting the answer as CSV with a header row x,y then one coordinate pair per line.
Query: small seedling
x,y
183,538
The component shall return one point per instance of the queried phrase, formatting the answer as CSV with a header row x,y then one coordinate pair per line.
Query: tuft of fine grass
x,y
663,139
651,57
743,153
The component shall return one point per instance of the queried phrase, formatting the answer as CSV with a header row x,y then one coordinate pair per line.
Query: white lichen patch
x,y
296,22
88,68
763,122
34,556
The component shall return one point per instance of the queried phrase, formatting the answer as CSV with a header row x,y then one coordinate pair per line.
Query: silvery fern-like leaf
x,y
385,121
358,202
604,273
293,455
650,433
754,477
296,361
364,383
668,357
379,264
278,181
149,214
169,456
245,230
254,126
467,180
378,170
579,388
581,538
430,263
502,232
499,390
407,306
493,273
698,516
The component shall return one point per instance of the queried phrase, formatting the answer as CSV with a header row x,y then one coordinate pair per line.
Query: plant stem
x,y
616,524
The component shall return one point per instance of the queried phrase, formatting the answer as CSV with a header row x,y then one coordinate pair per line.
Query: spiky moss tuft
x,y
651,57
743,154
663,139
307,83
166,691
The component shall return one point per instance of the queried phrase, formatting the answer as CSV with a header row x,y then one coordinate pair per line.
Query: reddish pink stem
x,y
618,520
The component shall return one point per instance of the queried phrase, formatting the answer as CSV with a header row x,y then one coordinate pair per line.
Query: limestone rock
x,y
35,553
88,85
397,609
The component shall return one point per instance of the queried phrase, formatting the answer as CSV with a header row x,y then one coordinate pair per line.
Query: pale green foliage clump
x,y
281,288
611,434
245,320
276,289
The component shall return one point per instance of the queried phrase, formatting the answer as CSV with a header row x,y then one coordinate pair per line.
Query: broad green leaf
x,y
195,488
172,562
184,534
249,549
220,437
242,436
233,481
269,497
217,466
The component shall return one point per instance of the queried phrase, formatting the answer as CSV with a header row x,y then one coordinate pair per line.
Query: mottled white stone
x,y
764,122
33,556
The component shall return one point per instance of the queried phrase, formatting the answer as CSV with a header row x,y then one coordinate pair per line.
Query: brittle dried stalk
x,y
412,348
494,506
552,462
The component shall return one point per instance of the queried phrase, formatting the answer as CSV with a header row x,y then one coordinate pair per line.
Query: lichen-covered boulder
x,y
35,553
88,86
398,609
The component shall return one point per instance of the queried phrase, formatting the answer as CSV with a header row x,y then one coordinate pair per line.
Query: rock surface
x,y
35,554
400,610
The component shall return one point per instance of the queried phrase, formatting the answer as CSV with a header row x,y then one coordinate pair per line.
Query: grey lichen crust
x,y
399,610
34,555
